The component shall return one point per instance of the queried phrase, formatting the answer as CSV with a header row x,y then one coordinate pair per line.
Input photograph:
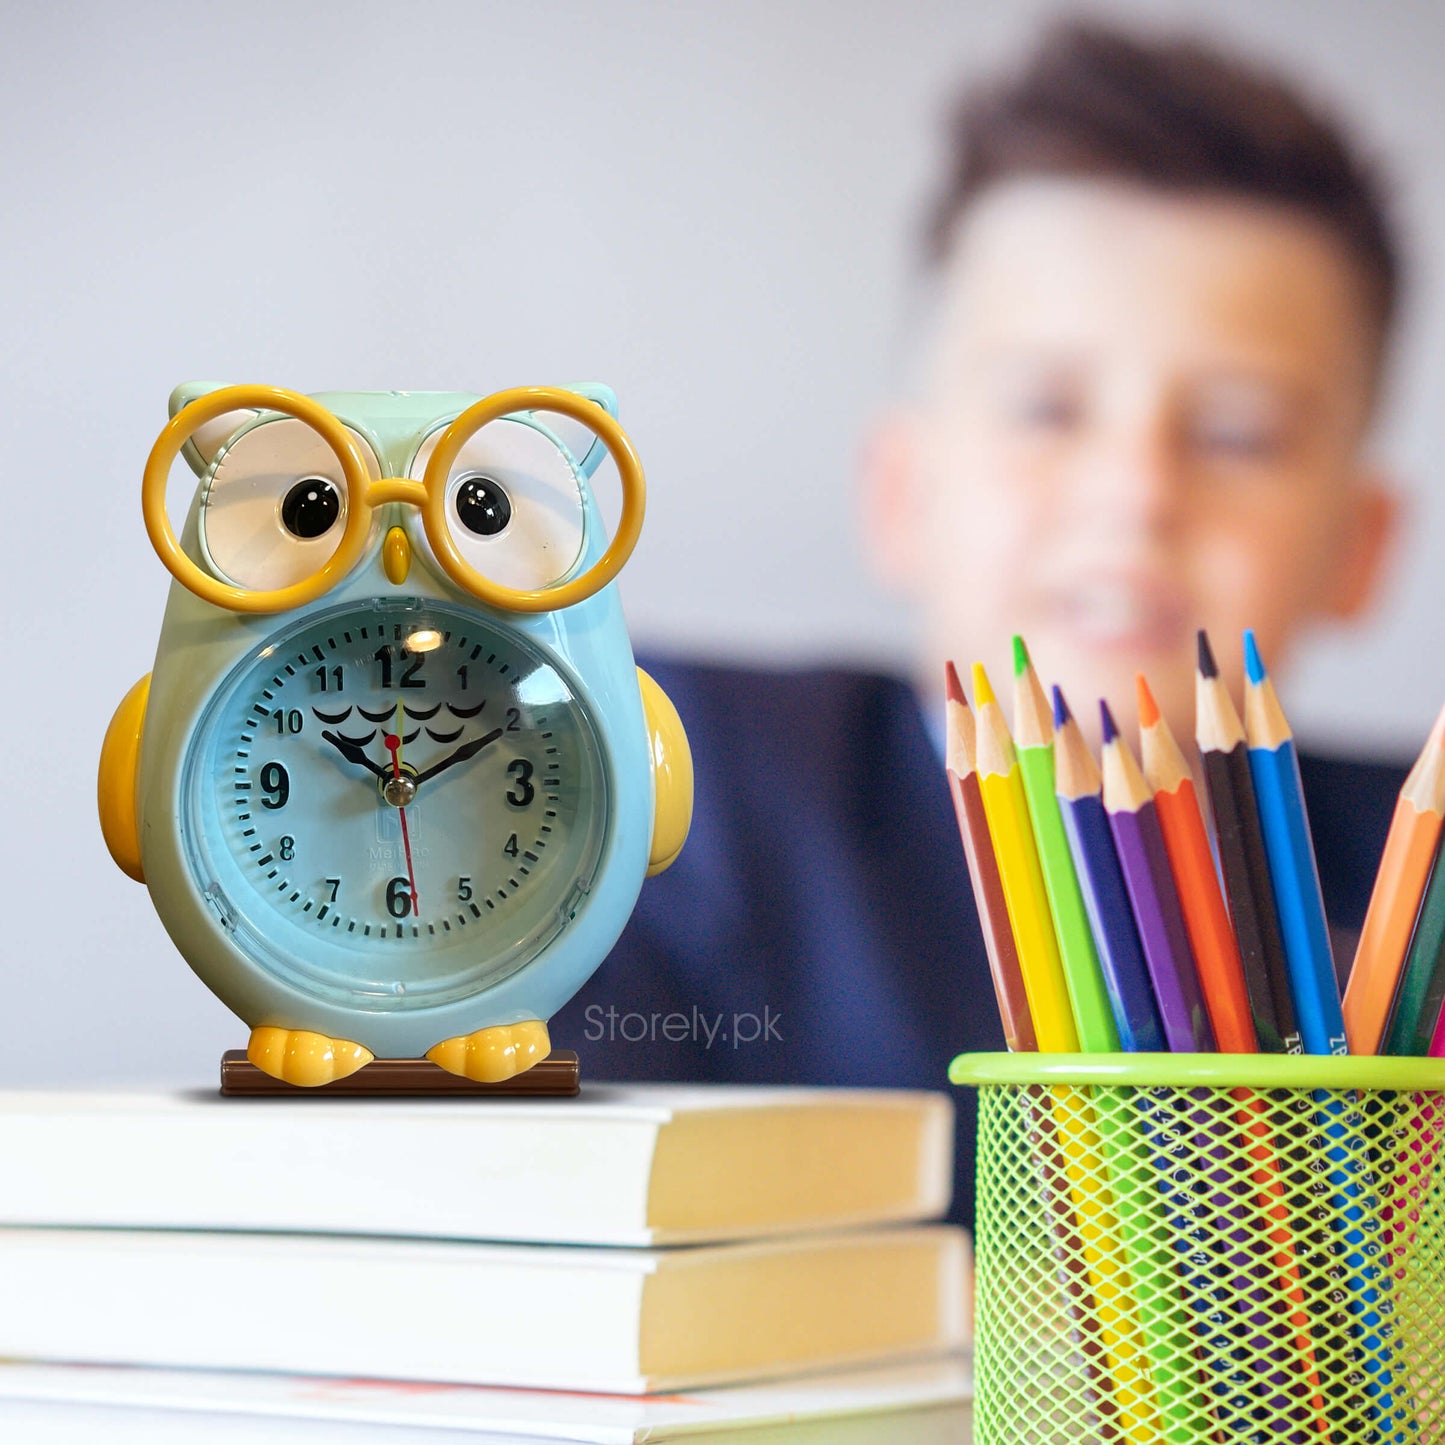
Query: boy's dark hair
x,y
1174,114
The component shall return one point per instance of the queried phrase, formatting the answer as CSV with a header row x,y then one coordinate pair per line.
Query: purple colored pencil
x,y
1144,862
1133,819
1106,900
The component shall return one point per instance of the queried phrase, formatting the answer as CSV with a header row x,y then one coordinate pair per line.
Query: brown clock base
x,y
556,1076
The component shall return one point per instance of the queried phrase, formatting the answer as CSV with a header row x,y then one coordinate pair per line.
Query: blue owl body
x,y
396,814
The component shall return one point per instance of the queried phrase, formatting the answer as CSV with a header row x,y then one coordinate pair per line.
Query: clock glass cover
x,y
395,804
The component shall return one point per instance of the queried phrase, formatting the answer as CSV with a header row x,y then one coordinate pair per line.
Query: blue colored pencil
x,y
1106,900
1274,766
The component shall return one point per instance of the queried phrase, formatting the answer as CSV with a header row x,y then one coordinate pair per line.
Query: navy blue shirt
x,y
819,926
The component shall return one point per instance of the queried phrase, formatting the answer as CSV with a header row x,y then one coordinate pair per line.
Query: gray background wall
x,y
710,207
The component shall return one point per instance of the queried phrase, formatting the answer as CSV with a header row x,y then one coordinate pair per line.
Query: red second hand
x,y
393,746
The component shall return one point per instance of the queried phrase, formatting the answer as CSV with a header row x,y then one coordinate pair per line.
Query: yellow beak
x,y
396,556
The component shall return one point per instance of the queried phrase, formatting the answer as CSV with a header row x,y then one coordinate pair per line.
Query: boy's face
x,y
1143,415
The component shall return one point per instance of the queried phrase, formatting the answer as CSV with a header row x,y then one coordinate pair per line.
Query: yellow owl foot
x,y
491,1055
297,1056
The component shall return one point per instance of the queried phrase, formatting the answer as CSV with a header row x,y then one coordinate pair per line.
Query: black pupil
x,y
482,506
310,507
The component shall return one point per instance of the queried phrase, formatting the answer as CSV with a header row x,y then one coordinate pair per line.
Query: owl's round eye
x,y
514,504
482,506
274,509
311,508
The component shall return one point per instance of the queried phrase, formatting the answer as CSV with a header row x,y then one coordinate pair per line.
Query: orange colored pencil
x,y
1221,972
1399,885
1003,958
1211,934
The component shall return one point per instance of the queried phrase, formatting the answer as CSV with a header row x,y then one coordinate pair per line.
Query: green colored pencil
x,y
1422,980
1034,743
1153,1290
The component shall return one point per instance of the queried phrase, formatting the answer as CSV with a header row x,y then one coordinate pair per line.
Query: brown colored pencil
x,y
1018,1027
1242,859
1003,958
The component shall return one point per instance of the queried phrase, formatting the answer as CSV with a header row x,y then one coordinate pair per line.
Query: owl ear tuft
x,y
585,448
200,451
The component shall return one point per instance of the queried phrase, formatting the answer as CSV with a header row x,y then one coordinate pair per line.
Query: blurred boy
x,y
1166,290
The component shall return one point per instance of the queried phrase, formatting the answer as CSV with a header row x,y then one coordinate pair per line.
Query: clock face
x,y
394,805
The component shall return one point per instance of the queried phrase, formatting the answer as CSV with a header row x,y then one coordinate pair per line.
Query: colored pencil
x,y
1242,859
1245,868
1414,1021
1007,812
1284,820
1145,865
1410,849
1274,766
1012,833
1211,935
1034,742
1079,790
1018,1024
1003,959
1221,974
1134,1148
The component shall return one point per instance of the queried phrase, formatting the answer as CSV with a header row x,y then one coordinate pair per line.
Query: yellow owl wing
x,y
671,774
119,774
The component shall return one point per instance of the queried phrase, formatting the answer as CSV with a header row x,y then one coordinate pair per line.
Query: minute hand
x,y
467,750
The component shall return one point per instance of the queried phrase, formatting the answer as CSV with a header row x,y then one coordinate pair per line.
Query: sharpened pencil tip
x,y
1106,721
1148,708
1062,715
952,685
1207,665
981,687
1253,663
1021,656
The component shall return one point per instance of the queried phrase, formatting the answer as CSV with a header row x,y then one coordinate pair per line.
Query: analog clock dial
x,y
396,802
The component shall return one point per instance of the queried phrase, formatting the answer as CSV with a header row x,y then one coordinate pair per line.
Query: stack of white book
x,y
678,1247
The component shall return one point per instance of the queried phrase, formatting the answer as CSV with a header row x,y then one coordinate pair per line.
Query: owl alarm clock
x,y
395,780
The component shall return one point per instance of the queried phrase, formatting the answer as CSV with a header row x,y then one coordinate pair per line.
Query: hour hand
x,y
467,750
353,754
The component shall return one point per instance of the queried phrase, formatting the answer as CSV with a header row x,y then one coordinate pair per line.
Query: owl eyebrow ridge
x,y
466,712
437,737
357,742
332,718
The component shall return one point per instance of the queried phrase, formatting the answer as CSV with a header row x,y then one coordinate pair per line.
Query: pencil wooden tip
x,y
1148,708
1106,721
1253,663
1021,656
1207,665
981,687
952,686
1062,715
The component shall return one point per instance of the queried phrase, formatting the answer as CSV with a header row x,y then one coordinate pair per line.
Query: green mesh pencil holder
x,y
1187,1248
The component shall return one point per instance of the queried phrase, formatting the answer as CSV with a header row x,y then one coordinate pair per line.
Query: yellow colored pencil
x,y
1006,808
